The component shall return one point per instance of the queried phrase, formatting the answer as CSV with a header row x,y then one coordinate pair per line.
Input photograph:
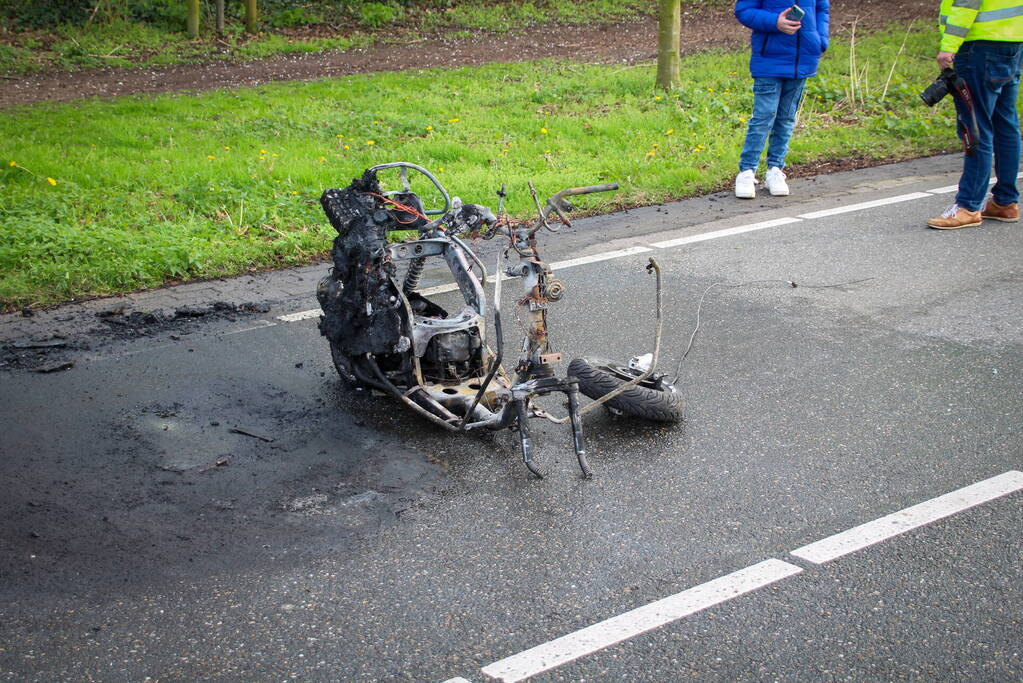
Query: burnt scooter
x,y
386,335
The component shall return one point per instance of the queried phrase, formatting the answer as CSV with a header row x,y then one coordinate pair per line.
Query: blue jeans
x,y
775,103
991,71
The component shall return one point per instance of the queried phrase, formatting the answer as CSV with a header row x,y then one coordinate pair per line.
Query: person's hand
x,y
945,59
787,25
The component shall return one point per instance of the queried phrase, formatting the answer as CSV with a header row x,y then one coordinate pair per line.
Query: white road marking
x,y
457,679
910,518
953,188
724,233
865,205
441,289
622,627
583,260
261,324
301,315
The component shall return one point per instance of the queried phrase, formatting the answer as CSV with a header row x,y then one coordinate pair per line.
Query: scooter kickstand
x,y
577,428
526,443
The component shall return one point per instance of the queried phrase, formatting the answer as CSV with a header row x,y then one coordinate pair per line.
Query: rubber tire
x,y
343,365
637,401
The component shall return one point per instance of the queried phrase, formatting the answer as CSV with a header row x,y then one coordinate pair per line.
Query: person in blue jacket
x,y
785,53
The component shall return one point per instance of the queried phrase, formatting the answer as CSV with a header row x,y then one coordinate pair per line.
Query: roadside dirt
x,y
628,42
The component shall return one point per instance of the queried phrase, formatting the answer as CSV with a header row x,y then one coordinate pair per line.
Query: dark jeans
x,y
991,69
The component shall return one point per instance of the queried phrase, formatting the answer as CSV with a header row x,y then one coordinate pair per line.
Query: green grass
x,y
150,190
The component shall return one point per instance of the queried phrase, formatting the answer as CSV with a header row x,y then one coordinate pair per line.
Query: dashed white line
x,y
865,205
724,233
624,626
910,518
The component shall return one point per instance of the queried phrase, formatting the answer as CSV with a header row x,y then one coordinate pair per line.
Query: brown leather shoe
x,y
955,217
1008,213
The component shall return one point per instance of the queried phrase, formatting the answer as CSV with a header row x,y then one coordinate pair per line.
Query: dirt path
x,y
628,42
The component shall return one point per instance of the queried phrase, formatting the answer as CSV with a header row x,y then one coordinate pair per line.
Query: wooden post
x,y
220,17
193,18
668,29
251,17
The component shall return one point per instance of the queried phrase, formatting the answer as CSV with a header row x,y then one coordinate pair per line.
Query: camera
x,y
946,82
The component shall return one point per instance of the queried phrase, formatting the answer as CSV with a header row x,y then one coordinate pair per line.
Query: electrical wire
x,y
724,283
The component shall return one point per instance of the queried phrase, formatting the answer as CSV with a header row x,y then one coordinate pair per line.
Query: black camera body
x,y
946,82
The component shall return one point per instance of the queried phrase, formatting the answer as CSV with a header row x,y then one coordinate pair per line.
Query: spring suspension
x,y
414,274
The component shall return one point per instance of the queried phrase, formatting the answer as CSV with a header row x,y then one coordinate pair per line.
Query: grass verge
x,y
101,197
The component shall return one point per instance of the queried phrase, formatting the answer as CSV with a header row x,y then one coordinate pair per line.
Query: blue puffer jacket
x,y
779,55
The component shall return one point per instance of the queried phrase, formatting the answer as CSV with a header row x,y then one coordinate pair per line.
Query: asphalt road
x,y
336,537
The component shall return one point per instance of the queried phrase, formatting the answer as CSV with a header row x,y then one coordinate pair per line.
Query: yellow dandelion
x,y
454,120
226,148
429,128
669,131
657,97
51,181
543,131
371,142
274,154
347,147
262,158
547,151
210,156
742,119
440,168
13,163
322,159
710,89
340,136
375,122
294,192
262,151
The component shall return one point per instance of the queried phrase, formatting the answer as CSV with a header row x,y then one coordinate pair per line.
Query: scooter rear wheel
x,y
597,378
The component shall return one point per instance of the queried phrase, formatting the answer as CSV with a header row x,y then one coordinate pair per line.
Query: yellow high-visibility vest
x,y
963,20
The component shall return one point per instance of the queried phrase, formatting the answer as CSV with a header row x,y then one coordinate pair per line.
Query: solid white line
x,y
724,233
457,679
865,205
262,324
910,518
442,289
642,619
301,315
953,188
598,257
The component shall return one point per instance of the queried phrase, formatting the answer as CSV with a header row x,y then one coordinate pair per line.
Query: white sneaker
x,y
746,185
776,182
